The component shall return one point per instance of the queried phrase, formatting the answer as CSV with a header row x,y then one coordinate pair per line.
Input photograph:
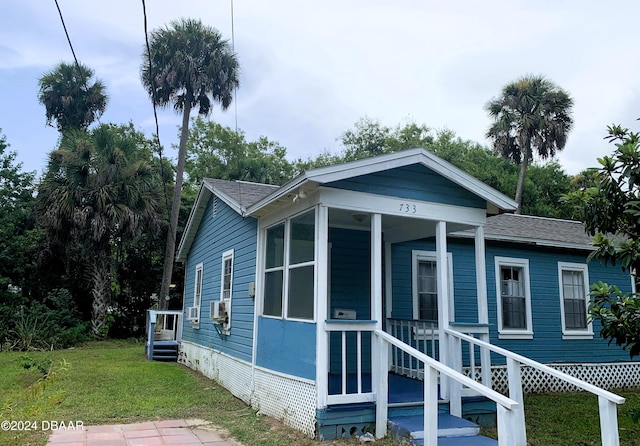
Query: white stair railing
x,y
511,429
607,401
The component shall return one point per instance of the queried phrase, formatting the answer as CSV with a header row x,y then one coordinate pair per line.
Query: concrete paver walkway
x,y
150,433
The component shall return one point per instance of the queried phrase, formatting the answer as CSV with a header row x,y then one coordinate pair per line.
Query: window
x,y
574,284
274,271
194,312
514,298
227,275
425,285
290,266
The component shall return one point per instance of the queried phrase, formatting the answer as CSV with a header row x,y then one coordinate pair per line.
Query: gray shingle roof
x,y
242,192
539,230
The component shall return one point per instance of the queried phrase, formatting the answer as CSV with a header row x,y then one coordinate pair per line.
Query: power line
x,y
64,26
155,111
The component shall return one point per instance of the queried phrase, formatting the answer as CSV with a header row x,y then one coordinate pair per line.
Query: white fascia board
x,y
528,241
277,194
195,217
387,205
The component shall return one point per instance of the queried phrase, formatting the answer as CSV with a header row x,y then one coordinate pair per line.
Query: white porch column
x,y
380,367
443,300
322,305
481,276
483,306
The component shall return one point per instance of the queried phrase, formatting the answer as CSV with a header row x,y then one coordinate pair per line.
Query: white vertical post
x,y
608,422
443,300
516,416
430,406
455,392
380,357
483,306
322,305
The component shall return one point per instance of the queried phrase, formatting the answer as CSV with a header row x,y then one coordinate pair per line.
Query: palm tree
x,y
533,115
69,99
187,65
98,191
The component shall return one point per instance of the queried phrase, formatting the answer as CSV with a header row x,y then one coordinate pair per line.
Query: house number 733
x,y
408,208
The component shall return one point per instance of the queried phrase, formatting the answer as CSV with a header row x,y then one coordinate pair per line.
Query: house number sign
x,y
408,208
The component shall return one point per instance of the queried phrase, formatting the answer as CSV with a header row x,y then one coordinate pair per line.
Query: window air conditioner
x,y
192,314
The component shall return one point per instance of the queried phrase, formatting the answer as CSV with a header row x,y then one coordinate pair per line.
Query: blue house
x,y
366,294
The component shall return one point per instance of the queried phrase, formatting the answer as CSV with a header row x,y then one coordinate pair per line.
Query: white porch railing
x,y
423,336
511,429
419,334
607,401
360,341
350,345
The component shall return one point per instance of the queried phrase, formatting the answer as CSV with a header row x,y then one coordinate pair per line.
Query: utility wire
x,y
235,89
155,111
86,87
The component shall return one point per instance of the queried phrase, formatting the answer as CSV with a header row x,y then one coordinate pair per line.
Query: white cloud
x,y
311,69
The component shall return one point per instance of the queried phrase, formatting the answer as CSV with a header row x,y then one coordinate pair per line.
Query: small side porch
x,y
163,334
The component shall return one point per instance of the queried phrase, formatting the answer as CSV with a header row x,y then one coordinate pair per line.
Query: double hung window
x,y
574,280
289,273
513,298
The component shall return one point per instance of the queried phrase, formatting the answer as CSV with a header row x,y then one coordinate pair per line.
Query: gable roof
x,y
328,174
541,231
239,195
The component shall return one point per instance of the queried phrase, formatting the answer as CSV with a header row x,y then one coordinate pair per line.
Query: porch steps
x,y
452,431
165,350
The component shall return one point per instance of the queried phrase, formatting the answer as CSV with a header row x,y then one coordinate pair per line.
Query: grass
x,y
112,382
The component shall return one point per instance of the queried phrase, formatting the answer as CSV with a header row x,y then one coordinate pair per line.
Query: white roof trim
x,y
197,212
528,241
380,163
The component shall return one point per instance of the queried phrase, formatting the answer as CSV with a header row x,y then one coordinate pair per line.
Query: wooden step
x,y
452,431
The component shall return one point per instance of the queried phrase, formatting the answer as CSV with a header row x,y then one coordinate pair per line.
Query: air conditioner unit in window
x,y
219,312
192,314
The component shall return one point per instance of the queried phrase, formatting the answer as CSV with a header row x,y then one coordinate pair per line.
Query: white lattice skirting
x,y
233,374
284,397
605,375
288,398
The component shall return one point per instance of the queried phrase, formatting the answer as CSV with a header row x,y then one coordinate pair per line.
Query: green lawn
x,y
112,382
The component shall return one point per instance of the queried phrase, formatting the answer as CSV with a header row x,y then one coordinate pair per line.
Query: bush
x,y
56,323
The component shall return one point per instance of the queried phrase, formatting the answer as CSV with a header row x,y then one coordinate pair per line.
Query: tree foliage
x,y
608,203
214,151
98,191
70,97
532,116
16,218
187,64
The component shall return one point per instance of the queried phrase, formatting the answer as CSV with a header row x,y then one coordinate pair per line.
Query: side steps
x,y
452,431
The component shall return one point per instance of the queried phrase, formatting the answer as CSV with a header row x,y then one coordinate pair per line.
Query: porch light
x,y
359,217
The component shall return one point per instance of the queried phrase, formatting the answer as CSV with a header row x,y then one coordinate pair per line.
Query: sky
x,y
311,69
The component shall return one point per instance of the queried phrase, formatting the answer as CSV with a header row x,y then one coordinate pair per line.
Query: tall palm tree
x,y
99,190
533,115
69,98
187,65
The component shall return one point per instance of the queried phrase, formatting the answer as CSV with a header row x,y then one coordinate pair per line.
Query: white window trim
x,y
286,266
227,255
506,333
197,300
587,333
416,256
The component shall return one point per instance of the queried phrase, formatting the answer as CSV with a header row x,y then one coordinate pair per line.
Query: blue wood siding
x,y
464,278
415,182
351,290
547,345
350,271
287,347
215,235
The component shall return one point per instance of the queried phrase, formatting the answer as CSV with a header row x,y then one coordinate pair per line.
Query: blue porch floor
x,y
402,389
